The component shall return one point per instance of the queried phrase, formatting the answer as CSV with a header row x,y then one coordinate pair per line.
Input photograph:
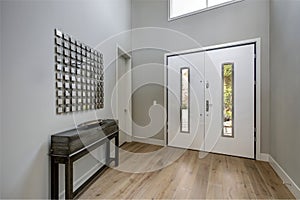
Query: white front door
x,y
215,113
229,117
185,102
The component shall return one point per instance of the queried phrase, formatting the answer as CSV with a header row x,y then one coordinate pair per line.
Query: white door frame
x,y
257,43
120,52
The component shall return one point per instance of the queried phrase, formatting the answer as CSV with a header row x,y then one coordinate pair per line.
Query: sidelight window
x,y
228,99
185,100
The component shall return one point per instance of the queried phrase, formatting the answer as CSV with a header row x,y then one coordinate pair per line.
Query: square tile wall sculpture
x,y
79,75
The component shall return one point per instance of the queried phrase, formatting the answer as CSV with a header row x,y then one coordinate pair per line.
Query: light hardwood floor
x,y
186,176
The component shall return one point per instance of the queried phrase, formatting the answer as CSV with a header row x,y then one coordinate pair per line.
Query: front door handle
x,y
207,105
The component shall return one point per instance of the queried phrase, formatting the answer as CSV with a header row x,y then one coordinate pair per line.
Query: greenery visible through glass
x,y
185,74
228,100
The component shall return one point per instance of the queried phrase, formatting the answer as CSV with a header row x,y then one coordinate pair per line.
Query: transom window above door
x,y
182,8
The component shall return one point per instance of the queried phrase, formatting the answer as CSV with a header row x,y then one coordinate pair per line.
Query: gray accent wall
x,y
285,85
240,21
27,83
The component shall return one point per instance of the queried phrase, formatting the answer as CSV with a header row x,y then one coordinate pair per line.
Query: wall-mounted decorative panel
x,y
79,75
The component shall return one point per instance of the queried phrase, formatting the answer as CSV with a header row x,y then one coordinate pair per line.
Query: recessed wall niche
x,y
79,75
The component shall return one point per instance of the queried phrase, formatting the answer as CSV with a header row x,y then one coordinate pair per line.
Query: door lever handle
x,y
207,105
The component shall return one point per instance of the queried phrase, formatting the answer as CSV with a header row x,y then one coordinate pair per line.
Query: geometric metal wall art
x,y
79,75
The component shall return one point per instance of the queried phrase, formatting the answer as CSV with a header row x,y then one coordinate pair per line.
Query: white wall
x,y
27,82
244,20
285,84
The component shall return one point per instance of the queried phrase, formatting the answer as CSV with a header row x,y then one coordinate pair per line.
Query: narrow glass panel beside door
x,y
185,100
227,98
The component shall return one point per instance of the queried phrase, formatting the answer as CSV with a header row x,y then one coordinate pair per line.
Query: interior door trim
x,y
121,52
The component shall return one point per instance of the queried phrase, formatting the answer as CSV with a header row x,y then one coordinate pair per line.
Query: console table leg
x,y
69,180
117,150
54,179
107,153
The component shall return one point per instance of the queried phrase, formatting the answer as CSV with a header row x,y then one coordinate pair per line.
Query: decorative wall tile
x,y
79,75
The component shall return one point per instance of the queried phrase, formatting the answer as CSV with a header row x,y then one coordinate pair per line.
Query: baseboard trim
x,y
149,141
264,157
83,178
292,186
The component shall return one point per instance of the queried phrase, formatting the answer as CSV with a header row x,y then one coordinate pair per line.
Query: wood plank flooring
x,y
186,176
